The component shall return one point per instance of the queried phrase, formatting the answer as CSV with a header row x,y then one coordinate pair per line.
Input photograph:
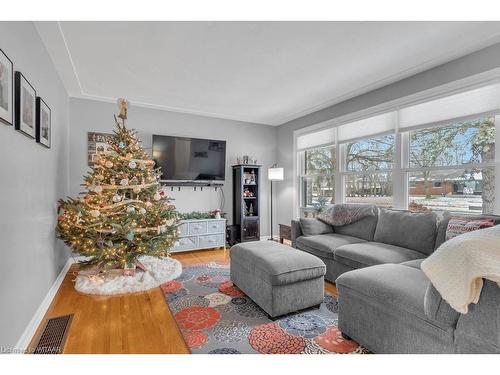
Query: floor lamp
x,y
274,174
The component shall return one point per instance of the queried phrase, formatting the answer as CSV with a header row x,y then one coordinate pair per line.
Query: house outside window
x,y
452,166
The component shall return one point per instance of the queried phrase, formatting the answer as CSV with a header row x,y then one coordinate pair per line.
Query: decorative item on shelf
x,y
252,177
247,193
250,210
246,160
114,224
197,215
216,214
274,174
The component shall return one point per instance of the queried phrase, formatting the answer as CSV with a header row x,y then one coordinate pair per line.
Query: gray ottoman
x,y
278,278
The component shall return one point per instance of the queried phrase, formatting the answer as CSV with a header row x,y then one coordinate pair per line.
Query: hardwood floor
x,y
132,323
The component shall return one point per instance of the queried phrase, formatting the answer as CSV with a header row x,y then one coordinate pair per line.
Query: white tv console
x,y
201,234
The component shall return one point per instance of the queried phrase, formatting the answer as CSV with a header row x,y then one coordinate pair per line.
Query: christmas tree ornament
x,y
116,198
100,177
124,182
130,210
108,164
123,104
130,236
142,210
149,204
157,196
121,145
132,165
98,189
137,190
95,213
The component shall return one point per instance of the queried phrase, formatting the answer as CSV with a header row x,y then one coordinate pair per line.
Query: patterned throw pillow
x,y
459,225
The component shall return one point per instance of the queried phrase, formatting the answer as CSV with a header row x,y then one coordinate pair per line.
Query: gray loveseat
x,y
386,303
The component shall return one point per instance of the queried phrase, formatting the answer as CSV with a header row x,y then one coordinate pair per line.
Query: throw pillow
x,y
313,227
459,225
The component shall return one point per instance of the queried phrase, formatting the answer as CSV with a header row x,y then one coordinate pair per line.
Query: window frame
x,y
408,169
302,175
344,172
401,166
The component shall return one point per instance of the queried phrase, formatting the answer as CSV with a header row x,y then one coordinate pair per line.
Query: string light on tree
x,y
124,214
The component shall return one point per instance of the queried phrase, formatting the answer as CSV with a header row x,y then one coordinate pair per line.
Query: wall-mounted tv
x,y
184,160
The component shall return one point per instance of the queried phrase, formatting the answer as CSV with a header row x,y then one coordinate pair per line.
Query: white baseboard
x,y
30,330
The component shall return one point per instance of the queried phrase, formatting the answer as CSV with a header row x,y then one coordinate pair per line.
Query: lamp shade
x,y
275,174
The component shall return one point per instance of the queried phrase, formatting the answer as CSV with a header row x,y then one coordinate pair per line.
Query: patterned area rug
x,y
215,317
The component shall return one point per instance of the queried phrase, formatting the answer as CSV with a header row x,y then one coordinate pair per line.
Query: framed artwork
x,y
6,89
43,122
97,143
25,106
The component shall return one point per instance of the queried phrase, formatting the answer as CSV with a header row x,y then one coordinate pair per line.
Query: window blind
x,y
315,139
482,100
367,127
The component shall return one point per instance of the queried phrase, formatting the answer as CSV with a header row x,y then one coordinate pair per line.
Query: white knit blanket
x,y
458,266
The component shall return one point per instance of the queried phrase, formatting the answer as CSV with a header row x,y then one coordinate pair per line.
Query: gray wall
x,y
242,138
33,178
475,63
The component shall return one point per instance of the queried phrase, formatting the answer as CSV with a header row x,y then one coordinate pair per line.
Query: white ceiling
x,y
261,72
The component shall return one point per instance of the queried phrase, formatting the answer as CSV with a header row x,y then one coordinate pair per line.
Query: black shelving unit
x,y
246,201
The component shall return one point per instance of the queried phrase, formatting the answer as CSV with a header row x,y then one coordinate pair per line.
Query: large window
x,y
368,165
318,179
452,167
433,155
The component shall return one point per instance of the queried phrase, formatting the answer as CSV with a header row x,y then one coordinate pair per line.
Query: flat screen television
x,y
187,160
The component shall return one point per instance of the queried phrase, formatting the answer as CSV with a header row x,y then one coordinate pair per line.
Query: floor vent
x,y
54,335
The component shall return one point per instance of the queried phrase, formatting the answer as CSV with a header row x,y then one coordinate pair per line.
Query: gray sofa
x,y
386,303
393,308
387,236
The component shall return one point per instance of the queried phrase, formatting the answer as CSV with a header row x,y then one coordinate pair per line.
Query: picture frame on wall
x,y
43,122
97,143
6,89
25,106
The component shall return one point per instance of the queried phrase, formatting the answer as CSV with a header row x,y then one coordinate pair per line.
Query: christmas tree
x,y
124,214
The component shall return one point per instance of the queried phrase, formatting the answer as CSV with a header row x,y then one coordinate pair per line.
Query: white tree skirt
x,y
158,271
